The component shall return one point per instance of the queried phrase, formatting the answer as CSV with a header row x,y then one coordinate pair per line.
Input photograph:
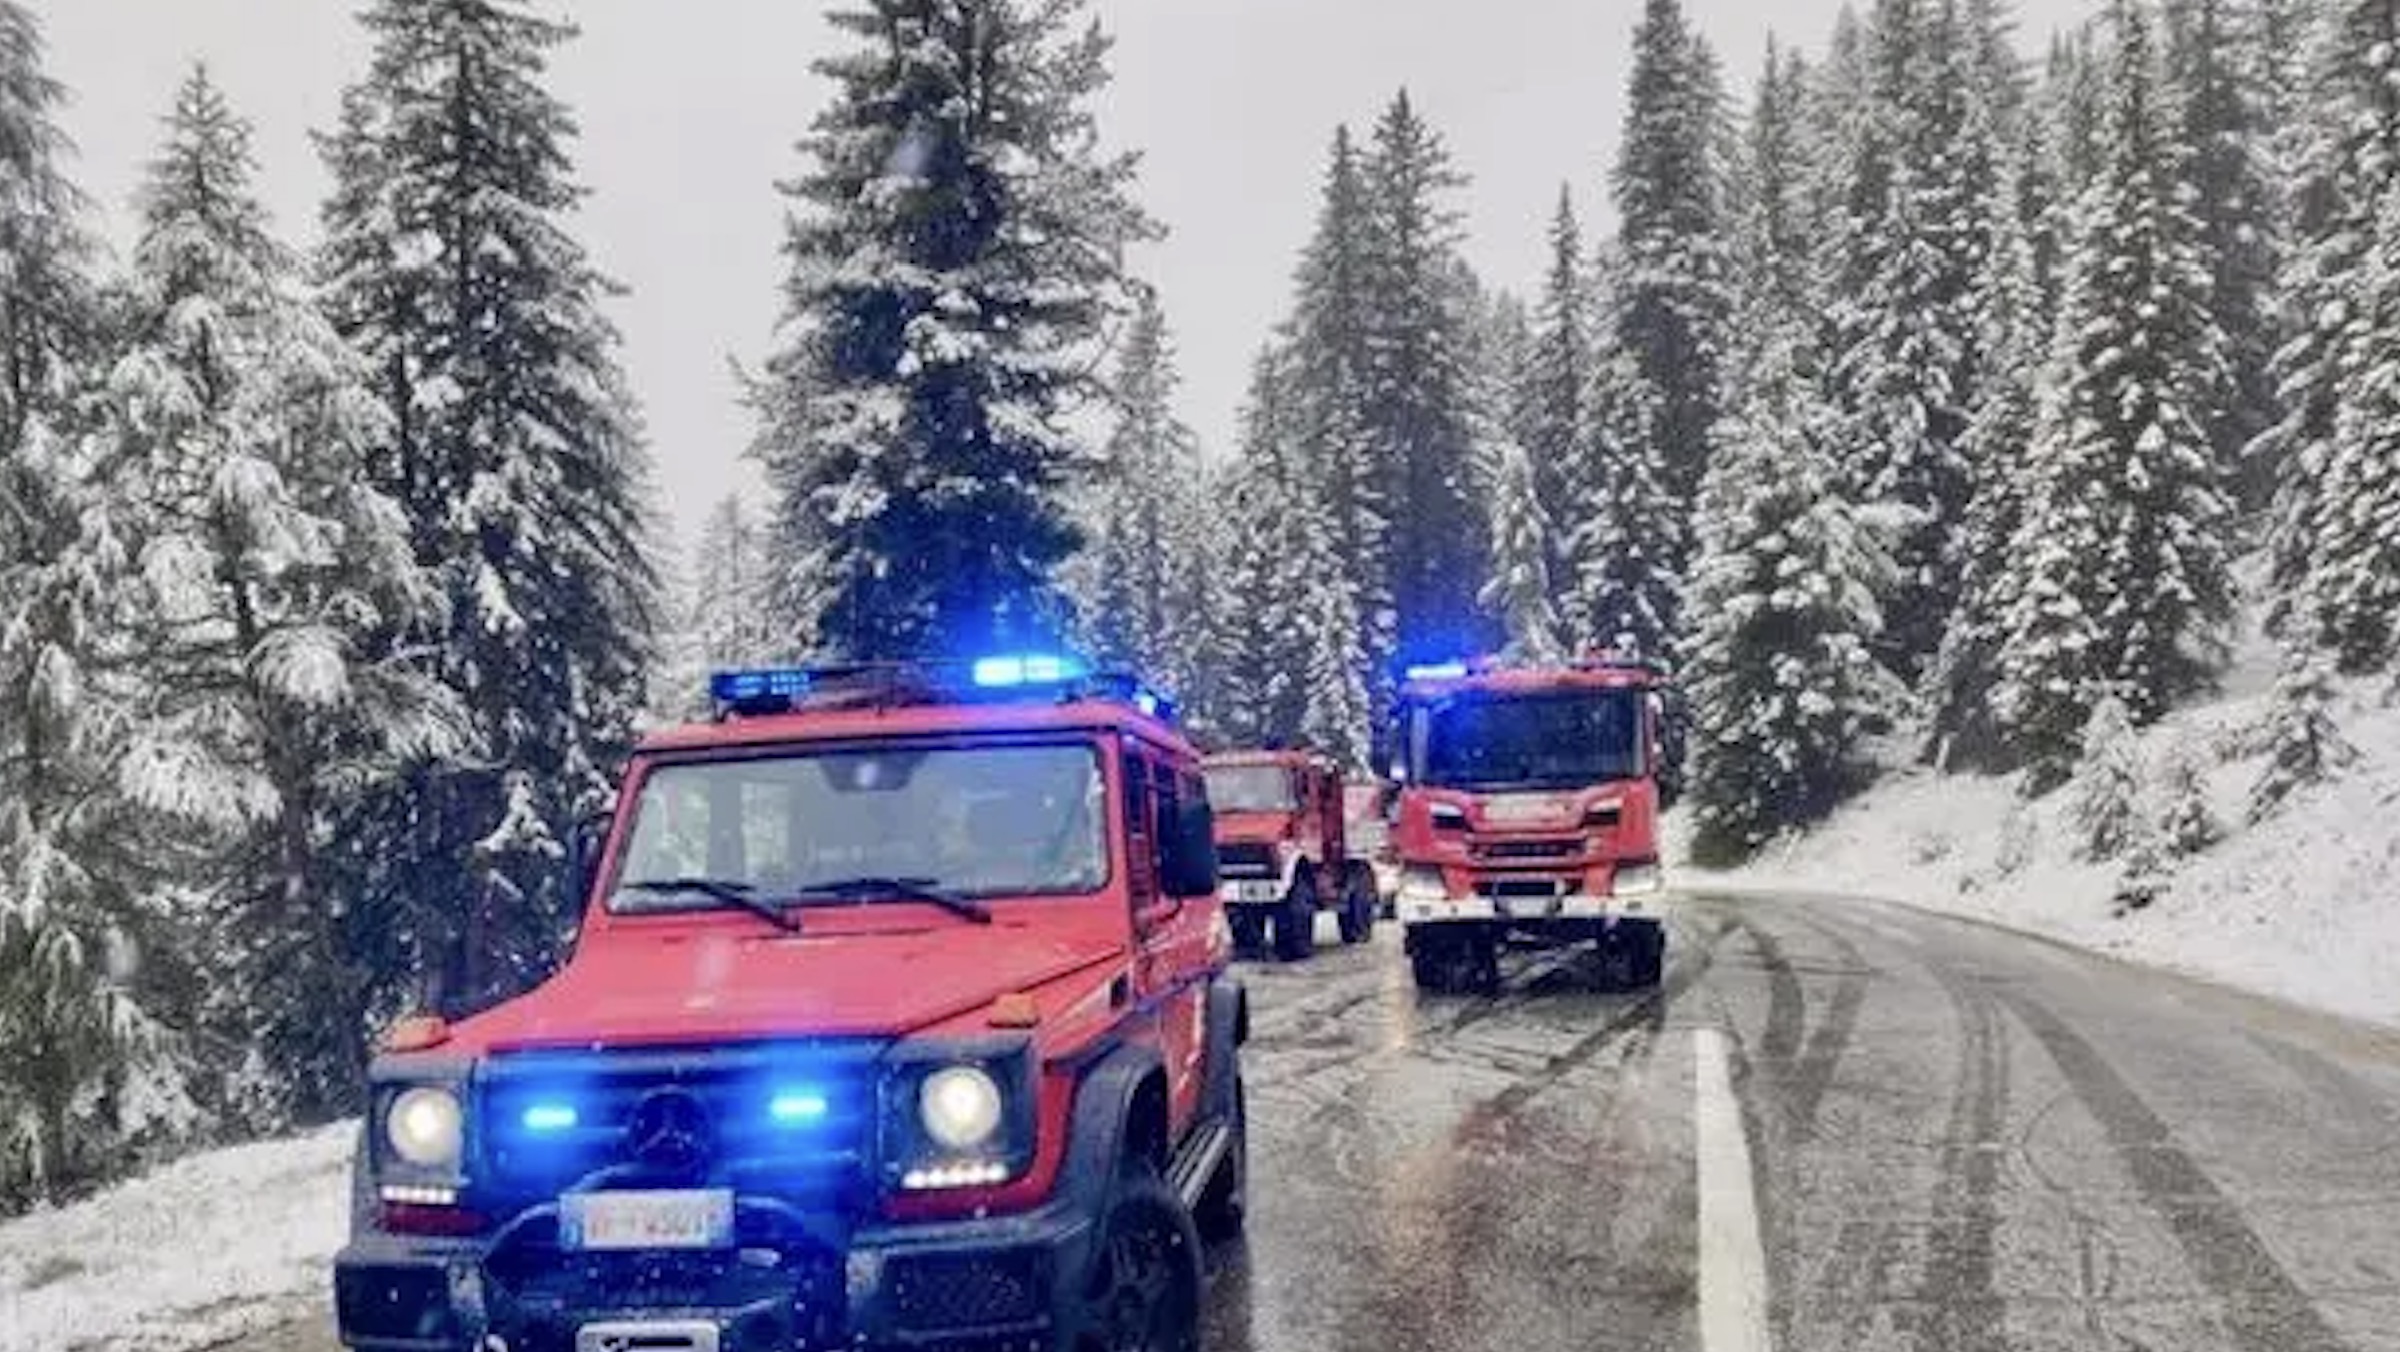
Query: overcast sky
x,y
690,109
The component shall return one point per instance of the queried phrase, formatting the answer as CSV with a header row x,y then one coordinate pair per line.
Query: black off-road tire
x,y
1296,920
1142,1292
1249,925
1358,905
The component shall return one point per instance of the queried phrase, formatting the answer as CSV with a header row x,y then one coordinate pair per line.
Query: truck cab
x,y
898,1017
1525,808
1284,853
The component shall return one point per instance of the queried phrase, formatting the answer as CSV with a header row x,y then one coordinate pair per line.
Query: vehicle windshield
x,y
988,821
1547,741
1251,788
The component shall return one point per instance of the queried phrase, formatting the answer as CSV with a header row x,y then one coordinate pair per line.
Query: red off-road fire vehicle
x,y
1526,807
1283,852
898,1018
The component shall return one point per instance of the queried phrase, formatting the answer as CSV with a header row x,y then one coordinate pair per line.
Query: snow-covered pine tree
x,y
1624,586
2304,745
72,1036
725,609
2122,550
2215,65
450,264
1673,290
1421,389
1519,588
1558,373
1332,346
242,430
2009,297
2105,812
1265,617
1775,226
1132,611
1781,669
2186,824
956,250
2352,588
1905,349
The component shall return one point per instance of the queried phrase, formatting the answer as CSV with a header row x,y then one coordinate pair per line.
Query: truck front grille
x,y
1246,859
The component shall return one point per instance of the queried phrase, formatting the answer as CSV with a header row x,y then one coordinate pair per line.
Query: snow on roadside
x,y
2305,905
200,1253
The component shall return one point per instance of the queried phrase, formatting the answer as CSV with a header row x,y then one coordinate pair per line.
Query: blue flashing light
x,y
998,673
798,1108
551,1117
1439,671
743,687
1146,702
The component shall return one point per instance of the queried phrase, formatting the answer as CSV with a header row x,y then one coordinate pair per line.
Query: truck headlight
x,y
960,1107
1448,817
426,1128
1636,879
1423,884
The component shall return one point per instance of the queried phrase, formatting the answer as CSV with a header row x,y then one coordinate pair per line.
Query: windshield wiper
x,y
861,890
737,894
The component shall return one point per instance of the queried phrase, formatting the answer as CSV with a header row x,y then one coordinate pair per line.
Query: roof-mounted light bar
x,y
1005,677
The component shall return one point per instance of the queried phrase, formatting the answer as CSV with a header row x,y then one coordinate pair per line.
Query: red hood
x,y
725,985
1267,827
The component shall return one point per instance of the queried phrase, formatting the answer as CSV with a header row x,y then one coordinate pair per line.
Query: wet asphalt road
x,y
1959,1139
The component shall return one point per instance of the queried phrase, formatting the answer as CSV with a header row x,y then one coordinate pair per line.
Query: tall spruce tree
x,y
243,431
71,1032
956,250
516,453
1134,612
1630,533
1782,672
2352,589
1558,375
1674,292
1266,617
1519,590
1332,343
2214,65
2122,549
1905,350
1421,389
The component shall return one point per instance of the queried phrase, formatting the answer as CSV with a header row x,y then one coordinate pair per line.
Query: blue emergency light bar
x,y
1439,671
1007,676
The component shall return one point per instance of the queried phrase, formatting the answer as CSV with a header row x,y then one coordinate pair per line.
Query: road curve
x,y
1958,1138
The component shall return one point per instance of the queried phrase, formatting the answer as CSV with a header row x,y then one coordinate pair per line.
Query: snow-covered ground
x,y
2304,905
199,1254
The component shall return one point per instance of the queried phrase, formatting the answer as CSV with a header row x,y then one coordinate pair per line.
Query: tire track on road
x,y
2264,1309
1963,1308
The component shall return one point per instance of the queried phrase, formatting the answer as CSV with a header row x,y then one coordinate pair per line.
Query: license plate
x,y
697,1219
1258,891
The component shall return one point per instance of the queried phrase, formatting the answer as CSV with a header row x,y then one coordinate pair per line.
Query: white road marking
x,y
1733,1263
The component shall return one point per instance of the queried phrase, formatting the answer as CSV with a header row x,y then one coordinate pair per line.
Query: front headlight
x,y
1448,817
960,1107
1423,884
426,1128
1637,879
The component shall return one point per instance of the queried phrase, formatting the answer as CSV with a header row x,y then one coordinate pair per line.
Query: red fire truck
x,y
1525,808
1284,852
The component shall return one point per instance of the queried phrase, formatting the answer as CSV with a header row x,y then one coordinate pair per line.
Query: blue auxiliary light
x,y
798,1108
744,687
1000,673
1439,671
551,1117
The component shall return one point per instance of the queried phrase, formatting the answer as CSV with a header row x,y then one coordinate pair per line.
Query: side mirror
x,y
585,844
1187,850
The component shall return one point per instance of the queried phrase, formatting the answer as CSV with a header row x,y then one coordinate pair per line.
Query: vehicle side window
x,y
1141,830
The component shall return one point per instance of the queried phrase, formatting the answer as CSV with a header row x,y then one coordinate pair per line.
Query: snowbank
x,y
2304,905
202,1252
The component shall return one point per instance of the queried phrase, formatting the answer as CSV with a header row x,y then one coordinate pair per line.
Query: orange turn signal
x,y
416,1033
1015,1011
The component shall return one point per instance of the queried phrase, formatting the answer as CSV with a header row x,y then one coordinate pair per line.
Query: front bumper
x,y
1578,910
1008,1281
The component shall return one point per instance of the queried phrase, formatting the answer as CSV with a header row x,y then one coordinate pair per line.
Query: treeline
x,y
1933,398
325,592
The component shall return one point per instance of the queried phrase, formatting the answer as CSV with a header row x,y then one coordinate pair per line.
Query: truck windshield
x,y
1548,741
1250,788
990,821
